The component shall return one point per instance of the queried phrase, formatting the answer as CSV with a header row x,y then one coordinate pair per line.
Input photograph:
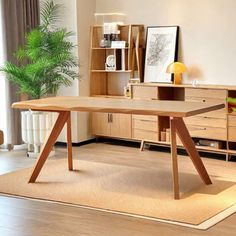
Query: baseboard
x,y
62,144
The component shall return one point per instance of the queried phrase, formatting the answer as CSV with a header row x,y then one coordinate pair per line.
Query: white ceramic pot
x,y
35,126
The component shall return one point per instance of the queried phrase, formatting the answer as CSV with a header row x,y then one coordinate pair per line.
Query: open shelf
x,y
99,48
199,148
111,71
170,93
111,83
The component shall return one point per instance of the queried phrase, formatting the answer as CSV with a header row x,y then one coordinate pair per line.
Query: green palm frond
x,y
49,14
49,55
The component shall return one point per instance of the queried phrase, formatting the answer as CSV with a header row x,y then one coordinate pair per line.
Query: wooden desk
x,y
176,110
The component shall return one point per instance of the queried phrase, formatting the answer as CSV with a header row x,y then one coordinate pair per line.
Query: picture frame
x,y
161,50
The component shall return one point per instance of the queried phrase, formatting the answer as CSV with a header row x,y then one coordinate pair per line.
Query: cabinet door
x,y
100,124
121,125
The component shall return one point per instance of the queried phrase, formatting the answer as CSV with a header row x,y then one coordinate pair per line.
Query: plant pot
x,y
35,126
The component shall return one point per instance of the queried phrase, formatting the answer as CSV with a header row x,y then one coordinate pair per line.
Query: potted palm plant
x,y
46,63
46,60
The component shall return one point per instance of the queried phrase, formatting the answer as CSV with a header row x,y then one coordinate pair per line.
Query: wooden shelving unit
x,y
106,82
109,83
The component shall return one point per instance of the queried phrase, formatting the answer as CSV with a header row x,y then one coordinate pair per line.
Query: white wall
x,y
207,37
77,16
85,18
68,16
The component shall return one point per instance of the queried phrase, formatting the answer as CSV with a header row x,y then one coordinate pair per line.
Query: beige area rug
x,y
133,191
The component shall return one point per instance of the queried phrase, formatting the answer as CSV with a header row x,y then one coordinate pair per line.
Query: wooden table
x,y
176,110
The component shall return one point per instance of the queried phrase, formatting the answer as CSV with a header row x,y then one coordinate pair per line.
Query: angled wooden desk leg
x,y
69,143
189,145
175,171
48,144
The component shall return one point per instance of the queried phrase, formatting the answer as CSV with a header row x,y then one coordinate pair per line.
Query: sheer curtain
x,y
17,18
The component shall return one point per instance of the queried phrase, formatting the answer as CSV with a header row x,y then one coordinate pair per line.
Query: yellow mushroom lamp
x,y
177,68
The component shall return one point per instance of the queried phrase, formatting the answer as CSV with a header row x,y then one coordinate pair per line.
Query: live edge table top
x,y
125,106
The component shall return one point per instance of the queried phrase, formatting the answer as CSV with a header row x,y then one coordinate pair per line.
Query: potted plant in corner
x,y
46,63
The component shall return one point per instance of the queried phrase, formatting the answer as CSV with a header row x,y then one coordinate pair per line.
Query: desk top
x,y
125,106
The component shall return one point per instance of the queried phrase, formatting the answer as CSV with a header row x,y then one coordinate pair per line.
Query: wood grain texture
x,y
69,143
121,125
189,145
21,217
206,121
206,93
146,135
173,146
48,144
101,124
144,92
125,106
207,132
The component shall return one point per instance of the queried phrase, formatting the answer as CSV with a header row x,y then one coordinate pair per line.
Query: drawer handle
x,y
202,128
199,129
204,100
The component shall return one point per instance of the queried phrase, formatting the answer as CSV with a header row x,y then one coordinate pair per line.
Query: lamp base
x,y
177,79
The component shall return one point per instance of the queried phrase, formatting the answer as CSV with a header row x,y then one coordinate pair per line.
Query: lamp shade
x,y
176,68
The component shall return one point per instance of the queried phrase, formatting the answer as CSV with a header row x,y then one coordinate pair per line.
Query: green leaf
x,y
49,56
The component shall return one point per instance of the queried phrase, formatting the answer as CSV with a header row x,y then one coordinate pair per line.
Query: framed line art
x,y
161,50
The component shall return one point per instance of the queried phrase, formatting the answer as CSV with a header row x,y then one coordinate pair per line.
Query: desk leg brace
x,y
178,126
63,117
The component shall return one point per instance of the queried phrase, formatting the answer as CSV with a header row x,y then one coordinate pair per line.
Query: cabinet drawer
x,y
206,93
145,125
207,132
206,121
232,128
213,114
232,133
232,121
144,135
143,117
145,92
221,113
204,99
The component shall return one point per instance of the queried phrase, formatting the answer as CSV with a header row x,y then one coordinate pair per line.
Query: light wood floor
x,y
19,217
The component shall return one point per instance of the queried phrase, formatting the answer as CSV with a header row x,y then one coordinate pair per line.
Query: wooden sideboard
x,y
219,126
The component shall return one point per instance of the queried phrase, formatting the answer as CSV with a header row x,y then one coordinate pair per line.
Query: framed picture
x,y
161,50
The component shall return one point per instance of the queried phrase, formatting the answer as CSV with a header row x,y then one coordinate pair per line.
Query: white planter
x,y
35,127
